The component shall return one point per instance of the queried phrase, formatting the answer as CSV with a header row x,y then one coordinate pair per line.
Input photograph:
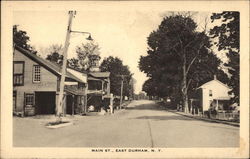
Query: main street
x,y
142,124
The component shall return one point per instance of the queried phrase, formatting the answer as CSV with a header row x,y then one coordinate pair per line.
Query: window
x,y
210,93
18,71
29,100
36,73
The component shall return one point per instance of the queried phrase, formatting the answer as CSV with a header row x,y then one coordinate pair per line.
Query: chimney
x,y
215,78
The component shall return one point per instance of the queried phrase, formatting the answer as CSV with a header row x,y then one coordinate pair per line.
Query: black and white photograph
x,y
126,79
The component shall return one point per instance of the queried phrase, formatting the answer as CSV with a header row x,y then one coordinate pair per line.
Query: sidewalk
x,y
205,119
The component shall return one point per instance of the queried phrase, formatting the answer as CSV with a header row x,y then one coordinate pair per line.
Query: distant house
x,y
213,93
36,85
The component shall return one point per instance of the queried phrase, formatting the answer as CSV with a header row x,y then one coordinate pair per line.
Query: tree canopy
x,y
178,59
115,66
55,54
88,54
21,39
227,35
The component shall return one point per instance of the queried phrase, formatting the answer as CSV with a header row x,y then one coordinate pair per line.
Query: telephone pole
x,y
63,71
122,76
59,106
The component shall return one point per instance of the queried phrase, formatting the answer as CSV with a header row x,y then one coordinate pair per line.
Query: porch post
x,y
64,104
73,105
85,99
111,103
108,87
217,104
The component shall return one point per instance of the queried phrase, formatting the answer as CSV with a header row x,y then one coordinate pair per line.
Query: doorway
x,y
45,102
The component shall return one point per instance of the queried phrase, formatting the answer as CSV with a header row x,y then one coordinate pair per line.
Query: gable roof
x,y
55,69
214,80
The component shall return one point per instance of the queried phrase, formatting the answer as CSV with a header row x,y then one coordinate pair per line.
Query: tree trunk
x,y
184,87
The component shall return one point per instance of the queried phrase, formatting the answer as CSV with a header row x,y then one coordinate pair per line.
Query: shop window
x,y
18,71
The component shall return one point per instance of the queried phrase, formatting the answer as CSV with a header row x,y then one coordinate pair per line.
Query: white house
x,y
213,90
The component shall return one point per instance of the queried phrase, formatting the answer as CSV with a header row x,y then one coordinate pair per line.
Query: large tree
x,y
55,54
116,68
179,57
227,35
88,54
21,39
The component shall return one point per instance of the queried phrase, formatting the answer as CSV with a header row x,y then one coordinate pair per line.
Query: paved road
x,y
142,124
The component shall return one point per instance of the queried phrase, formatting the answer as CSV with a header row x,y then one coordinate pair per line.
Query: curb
x,y
59,126
205,119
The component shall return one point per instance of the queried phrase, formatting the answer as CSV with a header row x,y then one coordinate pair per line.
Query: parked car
x,y
91,108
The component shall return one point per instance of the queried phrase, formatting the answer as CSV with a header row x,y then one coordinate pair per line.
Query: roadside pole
x,y
122,76
111,103
121,92
86,100
63,71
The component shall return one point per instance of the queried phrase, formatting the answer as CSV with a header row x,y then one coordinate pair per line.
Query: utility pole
x,y
122,76
121,91
63,71
85,99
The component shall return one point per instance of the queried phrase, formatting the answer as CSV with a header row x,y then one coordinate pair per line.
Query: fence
x,y
232,116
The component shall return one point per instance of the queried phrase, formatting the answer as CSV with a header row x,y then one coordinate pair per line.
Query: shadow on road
x,y
145,107
172,117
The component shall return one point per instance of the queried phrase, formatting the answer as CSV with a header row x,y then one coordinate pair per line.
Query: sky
x,y
120,31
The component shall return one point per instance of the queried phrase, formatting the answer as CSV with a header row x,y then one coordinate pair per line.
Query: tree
x,y
227,34
55,54
21,39
87,55
179,58
115,66
74,63
132,83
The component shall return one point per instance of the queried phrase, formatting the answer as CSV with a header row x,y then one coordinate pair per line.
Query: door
x,y
29,104
45,102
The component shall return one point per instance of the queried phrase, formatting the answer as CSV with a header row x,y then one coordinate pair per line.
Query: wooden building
x,y
36,85
211,92
98,89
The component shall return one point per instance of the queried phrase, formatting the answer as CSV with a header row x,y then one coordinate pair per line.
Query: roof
x,y
78,74
54,68
214,80
100,74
